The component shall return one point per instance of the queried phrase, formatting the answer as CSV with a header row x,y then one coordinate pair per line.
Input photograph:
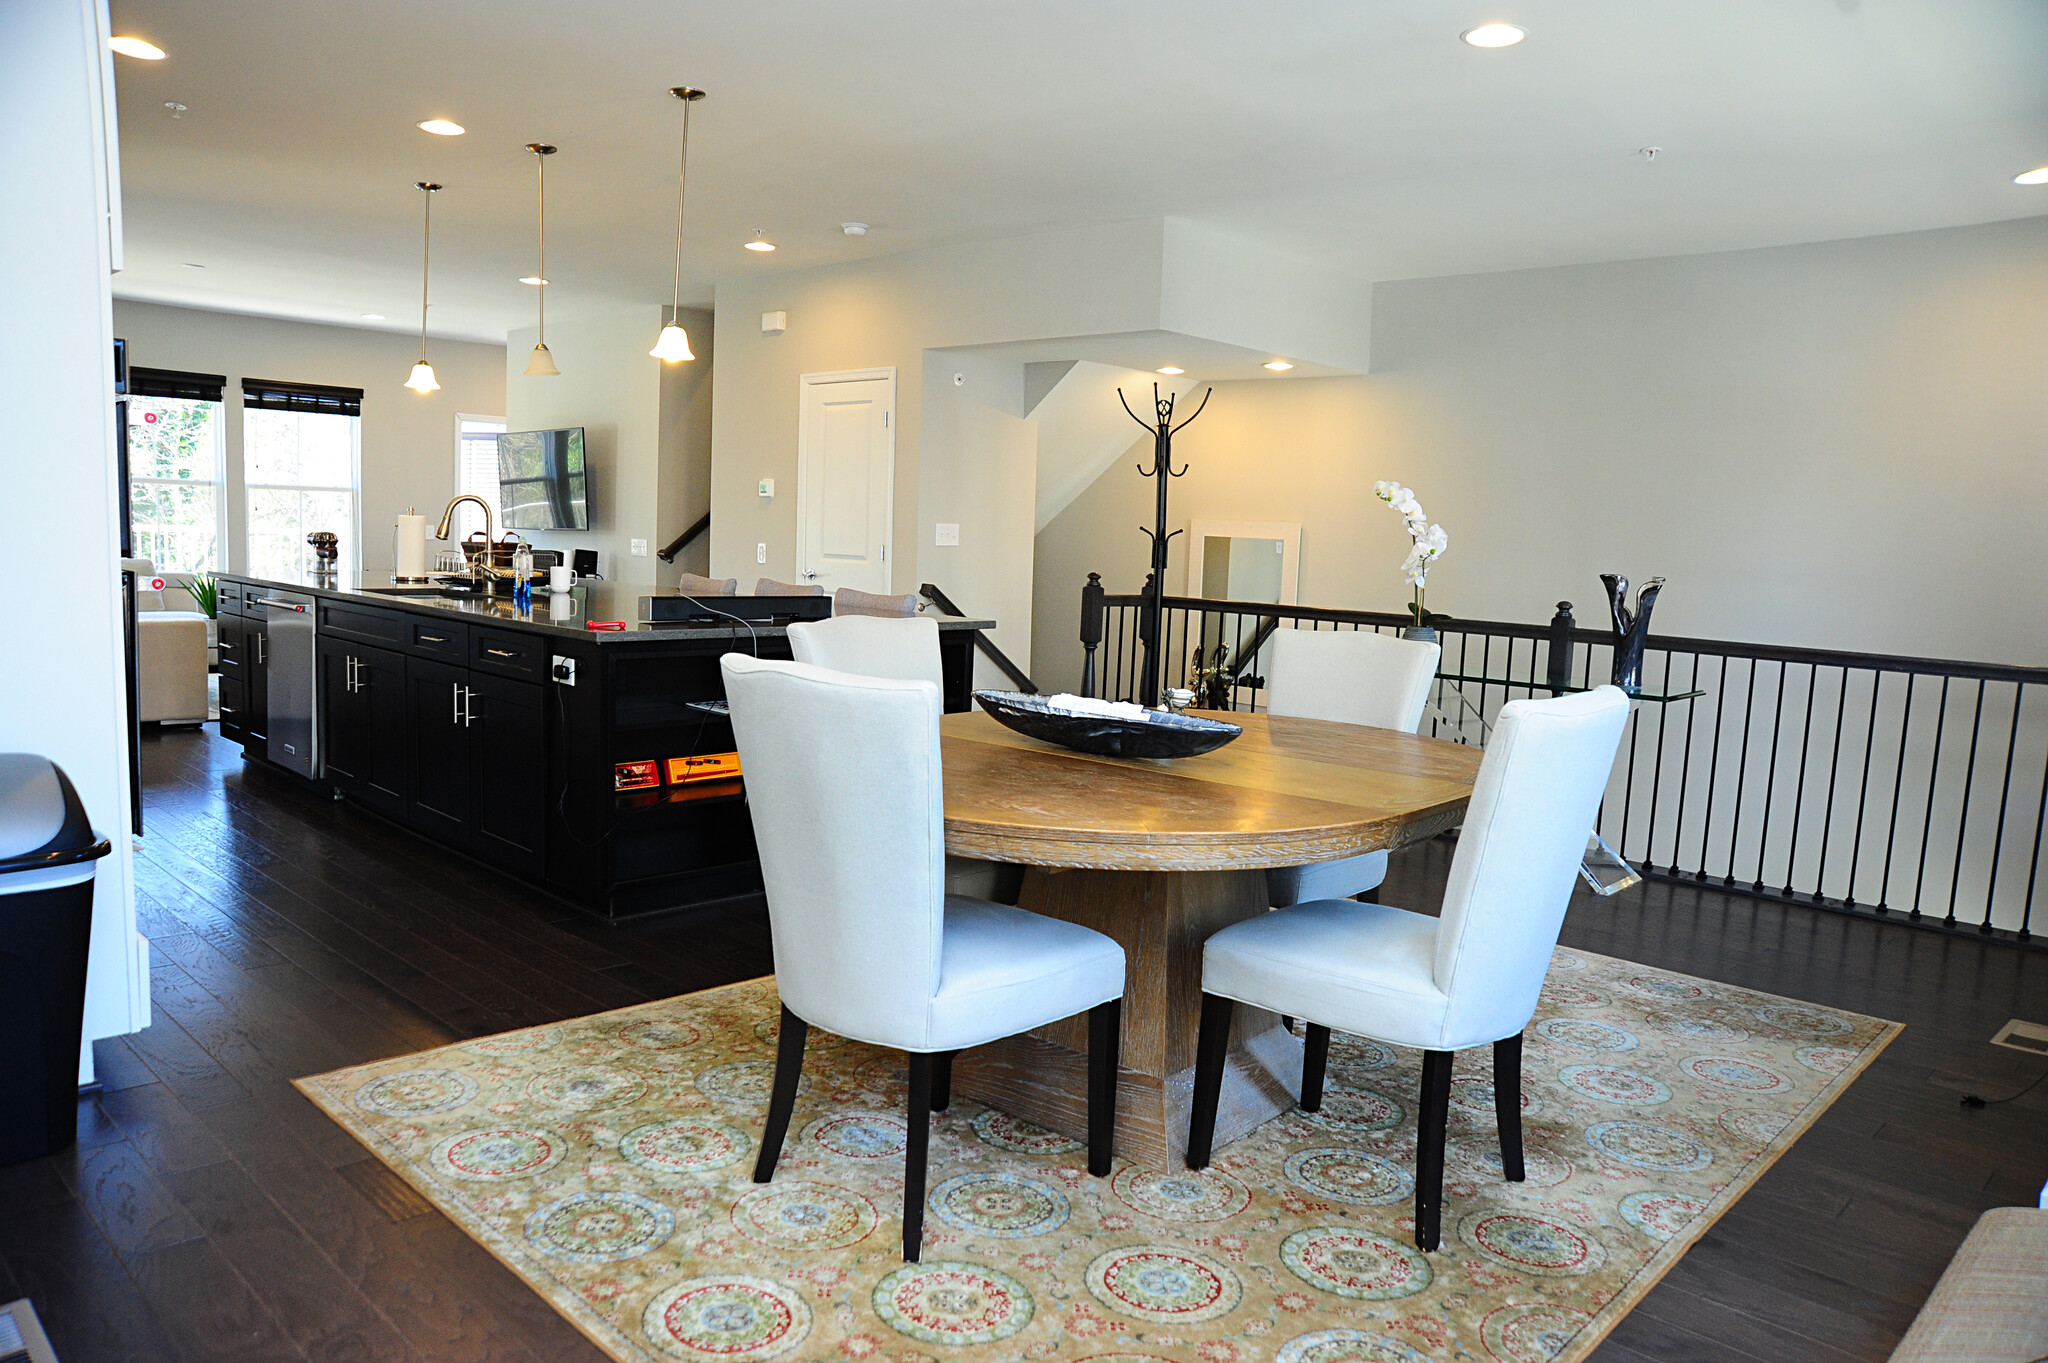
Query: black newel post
x,y
1559,674
1091,630
1163,430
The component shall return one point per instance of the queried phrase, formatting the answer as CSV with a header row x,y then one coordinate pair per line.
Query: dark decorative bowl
x,y
1156,735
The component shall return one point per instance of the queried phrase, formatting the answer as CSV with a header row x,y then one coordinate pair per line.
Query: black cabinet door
x,y
508,736
438,757
343,727
363,723
255,687
386,755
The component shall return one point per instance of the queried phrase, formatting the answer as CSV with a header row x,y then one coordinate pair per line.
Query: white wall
x,y
408,438
66,694
980,466
643,431
1842,445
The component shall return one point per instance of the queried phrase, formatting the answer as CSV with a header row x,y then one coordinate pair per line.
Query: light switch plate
x,y
946,533
639,548
767,487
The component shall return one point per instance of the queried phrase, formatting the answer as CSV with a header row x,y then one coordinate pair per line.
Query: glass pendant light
x,y
675,342
542,365
423,380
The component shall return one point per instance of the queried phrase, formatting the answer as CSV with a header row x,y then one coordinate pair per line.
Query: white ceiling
x,y
1362,134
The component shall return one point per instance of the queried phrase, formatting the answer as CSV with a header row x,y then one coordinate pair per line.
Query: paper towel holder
x,y
396,577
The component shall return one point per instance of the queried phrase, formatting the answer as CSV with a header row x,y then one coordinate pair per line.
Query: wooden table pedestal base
x,y
1161,919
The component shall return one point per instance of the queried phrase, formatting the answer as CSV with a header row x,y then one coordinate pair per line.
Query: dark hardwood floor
x,y
210,1213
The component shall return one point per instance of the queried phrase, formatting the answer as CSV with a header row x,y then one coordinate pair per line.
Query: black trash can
x,y
48,853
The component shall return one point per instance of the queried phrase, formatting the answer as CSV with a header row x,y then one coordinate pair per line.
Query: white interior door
x,y
846,479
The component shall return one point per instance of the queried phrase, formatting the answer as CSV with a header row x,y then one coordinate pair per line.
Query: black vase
x,y
1631,628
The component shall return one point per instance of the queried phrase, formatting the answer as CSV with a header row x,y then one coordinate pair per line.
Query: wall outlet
x,y
760,553
563,670
639,548
946,533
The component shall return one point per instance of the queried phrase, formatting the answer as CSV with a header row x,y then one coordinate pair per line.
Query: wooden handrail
x,y
675,546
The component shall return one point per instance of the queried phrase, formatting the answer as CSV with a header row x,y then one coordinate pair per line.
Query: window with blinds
x,y
476,469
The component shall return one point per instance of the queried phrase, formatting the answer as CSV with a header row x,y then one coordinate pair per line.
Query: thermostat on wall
x,y
774,323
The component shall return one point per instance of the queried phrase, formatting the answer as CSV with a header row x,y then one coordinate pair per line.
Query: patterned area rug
x,y
607,1161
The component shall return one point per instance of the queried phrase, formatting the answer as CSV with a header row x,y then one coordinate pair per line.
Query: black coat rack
x,y
1163,431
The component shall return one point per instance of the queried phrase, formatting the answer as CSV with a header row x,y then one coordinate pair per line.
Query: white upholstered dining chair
x,y
1352,677
1440,985
905,648
845,786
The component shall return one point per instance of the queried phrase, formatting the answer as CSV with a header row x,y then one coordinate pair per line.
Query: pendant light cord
x,y
682,183
426,257
540,165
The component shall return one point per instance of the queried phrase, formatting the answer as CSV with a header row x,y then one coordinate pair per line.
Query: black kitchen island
x,y
501,732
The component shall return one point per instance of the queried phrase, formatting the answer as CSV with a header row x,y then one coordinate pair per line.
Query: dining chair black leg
x,y
1212,1044
789,1069
942,1080
1105,1033
1507,1104
1315,1060
1429,1148
915,1152
1287,1023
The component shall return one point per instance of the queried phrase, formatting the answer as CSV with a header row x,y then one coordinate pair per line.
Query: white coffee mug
x,y
560,578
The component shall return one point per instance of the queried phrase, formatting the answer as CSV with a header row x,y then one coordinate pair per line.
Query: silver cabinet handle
x,y
229,710
455,697
468,711
226,645
499,652
433,638
281,605
259,650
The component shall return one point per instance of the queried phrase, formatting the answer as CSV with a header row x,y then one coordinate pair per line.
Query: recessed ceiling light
x,y
1494,35
759,243
1277,365
854,229
137,47
193,265
2032,177
373,317
534,279
441,127
1171,369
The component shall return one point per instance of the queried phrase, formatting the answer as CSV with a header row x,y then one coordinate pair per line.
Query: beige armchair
x,y
173,648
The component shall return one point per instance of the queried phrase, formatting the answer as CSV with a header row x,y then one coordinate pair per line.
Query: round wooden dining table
x,y
1158,855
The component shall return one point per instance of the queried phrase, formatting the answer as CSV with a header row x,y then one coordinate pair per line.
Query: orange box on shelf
x,y
636,775
714,766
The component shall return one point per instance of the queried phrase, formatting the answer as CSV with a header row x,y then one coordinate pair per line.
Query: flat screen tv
x,y
541,480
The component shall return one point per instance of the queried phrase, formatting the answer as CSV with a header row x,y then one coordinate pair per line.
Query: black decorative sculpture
x,y
1163,430
1630,628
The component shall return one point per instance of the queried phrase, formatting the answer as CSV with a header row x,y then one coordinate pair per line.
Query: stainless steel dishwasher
x,y
291,673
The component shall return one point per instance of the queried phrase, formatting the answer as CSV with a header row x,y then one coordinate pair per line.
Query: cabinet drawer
x,y
519,655
231,597
233,708
367,626
437,638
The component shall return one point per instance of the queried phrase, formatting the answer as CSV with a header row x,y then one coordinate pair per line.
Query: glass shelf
x,y
1524,684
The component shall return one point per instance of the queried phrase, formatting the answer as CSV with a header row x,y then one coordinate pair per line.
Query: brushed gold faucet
x,y
481,568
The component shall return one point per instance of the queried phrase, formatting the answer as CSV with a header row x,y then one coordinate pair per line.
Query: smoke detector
x,y
854,229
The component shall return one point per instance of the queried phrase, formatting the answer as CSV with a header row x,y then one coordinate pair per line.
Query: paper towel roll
x,y
410,555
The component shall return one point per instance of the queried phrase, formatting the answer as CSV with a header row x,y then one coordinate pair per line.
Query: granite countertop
x,y
550,614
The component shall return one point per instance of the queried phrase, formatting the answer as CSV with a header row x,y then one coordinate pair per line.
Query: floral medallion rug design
x,y
608,1162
